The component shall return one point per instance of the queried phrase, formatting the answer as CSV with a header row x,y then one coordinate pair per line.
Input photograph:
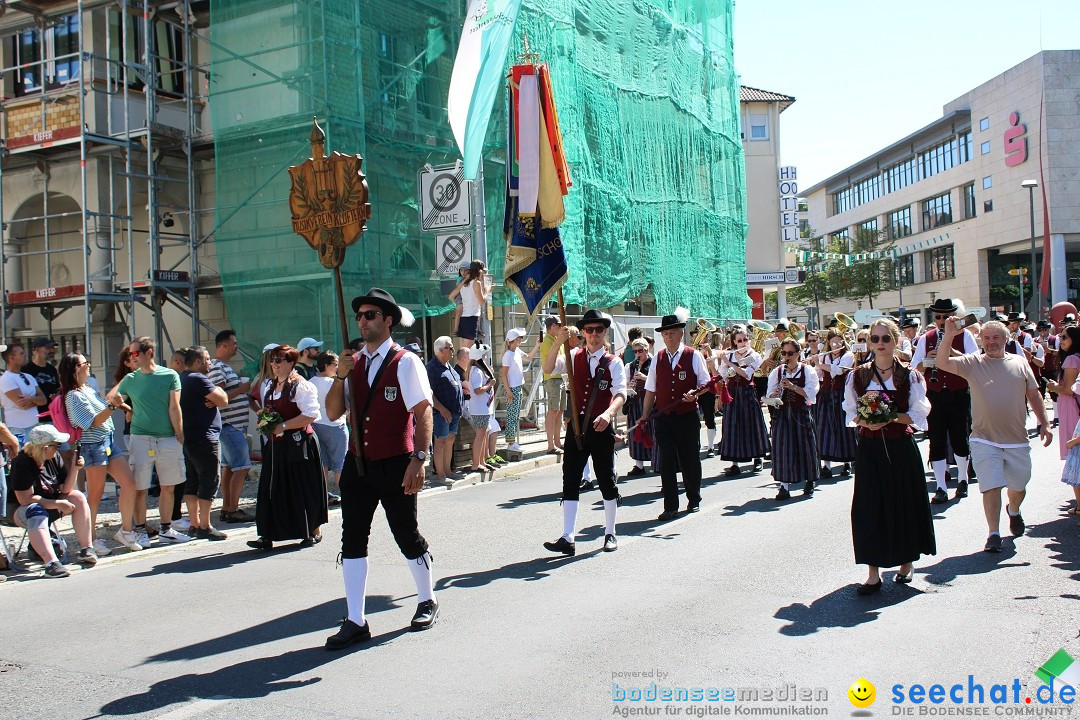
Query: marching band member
x,y
771,361
891,524
1051,364
600,389
795,453
743,435
707,398
909,332
950,400
836,441
674,375
642,442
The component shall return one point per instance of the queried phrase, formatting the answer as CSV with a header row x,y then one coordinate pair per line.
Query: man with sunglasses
x,y
20,394
949,421
600,391
385,391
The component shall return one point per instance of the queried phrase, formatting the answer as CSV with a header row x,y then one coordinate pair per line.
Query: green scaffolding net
x,y
648,102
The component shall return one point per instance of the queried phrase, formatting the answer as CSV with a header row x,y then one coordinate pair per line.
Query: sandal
x,y
1073,512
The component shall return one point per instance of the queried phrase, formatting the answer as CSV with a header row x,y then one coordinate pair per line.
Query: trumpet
x,y
705,329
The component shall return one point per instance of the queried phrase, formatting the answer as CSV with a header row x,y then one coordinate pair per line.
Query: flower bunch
x,y
267,419
876,407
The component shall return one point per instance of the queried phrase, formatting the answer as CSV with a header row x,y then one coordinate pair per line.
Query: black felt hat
x,y
385,302
594,316
671,322
945,305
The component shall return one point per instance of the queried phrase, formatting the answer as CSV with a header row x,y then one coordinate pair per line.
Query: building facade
x,y
956,199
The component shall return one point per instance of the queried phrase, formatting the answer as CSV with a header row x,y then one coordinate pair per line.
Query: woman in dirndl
x,y
795,451
743,435
836,441
291,503
642,442
891,524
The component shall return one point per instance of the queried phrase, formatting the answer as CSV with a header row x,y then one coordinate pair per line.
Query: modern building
x,y
765,260
957,199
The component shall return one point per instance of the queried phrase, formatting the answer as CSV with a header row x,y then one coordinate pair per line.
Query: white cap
x,y
44,434
515,333
270,347
478,351
3,348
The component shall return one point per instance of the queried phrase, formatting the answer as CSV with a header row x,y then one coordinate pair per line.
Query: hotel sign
x,y
789,204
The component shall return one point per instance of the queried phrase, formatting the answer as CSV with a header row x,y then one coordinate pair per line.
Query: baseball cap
x,y
551,320
515,333
307,342
43,342
44,434
270,347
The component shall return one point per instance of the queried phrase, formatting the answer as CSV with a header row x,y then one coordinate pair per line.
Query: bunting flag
x,y
848,258
537,178
478,74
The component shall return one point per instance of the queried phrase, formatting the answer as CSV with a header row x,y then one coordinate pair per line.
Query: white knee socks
x,y
355,571
640,464
827,464
940,468
586,473
610,507
961,468
569,514
421,572
710,434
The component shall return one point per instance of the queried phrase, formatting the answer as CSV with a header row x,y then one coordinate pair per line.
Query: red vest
x,y
832,383
672,384
583,383
387,430
285,406
938,380
792,399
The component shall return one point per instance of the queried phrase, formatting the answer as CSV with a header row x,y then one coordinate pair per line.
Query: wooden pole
x,y
341,308
574,403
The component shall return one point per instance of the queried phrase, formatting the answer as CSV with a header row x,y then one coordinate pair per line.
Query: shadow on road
x,y
976,563
766,504
552,497
842,608
219,561
528,570
1064,543
326,616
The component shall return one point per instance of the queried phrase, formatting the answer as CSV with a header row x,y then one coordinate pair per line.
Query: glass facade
x,y
969,200
899,223
939,264
936,211
905,270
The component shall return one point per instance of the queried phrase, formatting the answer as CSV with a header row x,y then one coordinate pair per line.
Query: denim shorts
x,y
235,452
441,428
100,453
333,442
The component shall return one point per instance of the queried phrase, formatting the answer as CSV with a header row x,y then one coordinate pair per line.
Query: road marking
x,y
195,708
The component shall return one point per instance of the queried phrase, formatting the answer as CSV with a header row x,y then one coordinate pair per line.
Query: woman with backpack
x,y
84,415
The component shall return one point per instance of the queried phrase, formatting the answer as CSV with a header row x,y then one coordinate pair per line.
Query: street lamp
x,y
1035,293
1020,273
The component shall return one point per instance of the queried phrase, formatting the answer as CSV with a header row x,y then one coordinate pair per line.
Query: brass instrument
x,y
760,331
705,329
797,332
845,326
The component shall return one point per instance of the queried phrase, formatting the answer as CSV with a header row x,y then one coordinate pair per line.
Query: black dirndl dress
x,y
634,407
743,435
836,441
795,453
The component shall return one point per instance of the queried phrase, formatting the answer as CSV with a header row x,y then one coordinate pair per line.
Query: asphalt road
x,y
748,593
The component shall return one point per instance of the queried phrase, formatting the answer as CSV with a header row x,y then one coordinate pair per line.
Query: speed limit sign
x,y
445,198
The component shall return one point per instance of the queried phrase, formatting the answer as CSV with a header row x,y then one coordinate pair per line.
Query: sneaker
x,y
142,537
514,448
88,557
1016,524
56,570
100,548
182,525
172,536
129,539
993,544
209,533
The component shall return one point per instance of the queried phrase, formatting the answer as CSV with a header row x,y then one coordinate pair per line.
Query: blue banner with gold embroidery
x,y
541,261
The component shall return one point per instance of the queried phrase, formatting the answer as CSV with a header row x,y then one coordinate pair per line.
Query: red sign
x,y
1015,142
757,297
29,297
44,138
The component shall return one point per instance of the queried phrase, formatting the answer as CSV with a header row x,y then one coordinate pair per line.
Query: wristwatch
x,y
419,455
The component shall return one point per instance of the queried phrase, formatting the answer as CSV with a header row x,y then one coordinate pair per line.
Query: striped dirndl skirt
x,y
836,441
795,453
743,435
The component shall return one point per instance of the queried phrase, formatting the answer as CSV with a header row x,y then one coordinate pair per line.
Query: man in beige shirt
x,y
1000,383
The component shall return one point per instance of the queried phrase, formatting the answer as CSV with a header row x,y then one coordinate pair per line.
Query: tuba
x,y
705,329
845,326
797,331
760,331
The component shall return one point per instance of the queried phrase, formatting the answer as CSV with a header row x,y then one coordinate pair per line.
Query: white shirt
x,y
470,305
322,387
479,402
15,417
918,405
920,350
411,374
810,387
749,362
700,370
616,369
515,374
306,398
835,366
905,345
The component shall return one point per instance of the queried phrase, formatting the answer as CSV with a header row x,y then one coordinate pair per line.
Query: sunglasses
x,y
85,362
54,446
369,314
881,339
940,317
740,341
788,353
278,359
594,329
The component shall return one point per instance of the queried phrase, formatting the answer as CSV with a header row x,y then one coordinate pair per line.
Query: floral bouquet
x,y
267,419
876,407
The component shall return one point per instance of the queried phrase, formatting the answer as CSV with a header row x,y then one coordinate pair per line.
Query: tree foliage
x,y
823,277
866,279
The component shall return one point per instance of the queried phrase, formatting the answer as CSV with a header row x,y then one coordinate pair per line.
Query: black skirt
x,y
891,522
291,502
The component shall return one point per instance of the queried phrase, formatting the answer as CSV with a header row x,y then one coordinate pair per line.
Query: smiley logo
x,y
862,693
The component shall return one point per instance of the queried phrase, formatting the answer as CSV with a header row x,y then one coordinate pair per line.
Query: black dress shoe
x,y
847,470
758,464
825,472
349,634
732,471
961,490
332,499
426,614
261,544
693,507
585,485
940,496
562,545
783,494
668,515
869,589
808,491
903,579
610,543
635,471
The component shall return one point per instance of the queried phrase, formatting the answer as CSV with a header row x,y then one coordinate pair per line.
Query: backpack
x,y
58,412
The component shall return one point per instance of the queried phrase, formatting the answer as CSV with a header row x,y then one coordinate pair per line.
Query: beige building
x,y
765,262
957,197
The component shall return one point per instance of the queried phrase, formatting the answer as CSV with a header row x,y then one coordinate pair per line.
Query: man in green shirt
x,y
157,436
553,390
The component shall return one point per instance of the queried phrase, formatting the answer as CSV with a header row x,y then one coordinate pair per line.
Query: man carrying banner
x,y
600,389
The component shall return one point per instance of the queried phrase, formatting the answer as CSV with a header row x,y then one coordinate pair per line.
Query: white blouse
x,y
836,366
810,387
306,398
749,362
918,405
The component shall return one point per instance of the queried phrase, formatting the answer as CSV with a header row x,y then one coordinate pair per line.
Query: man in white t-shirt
x,y
19,393
999,383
